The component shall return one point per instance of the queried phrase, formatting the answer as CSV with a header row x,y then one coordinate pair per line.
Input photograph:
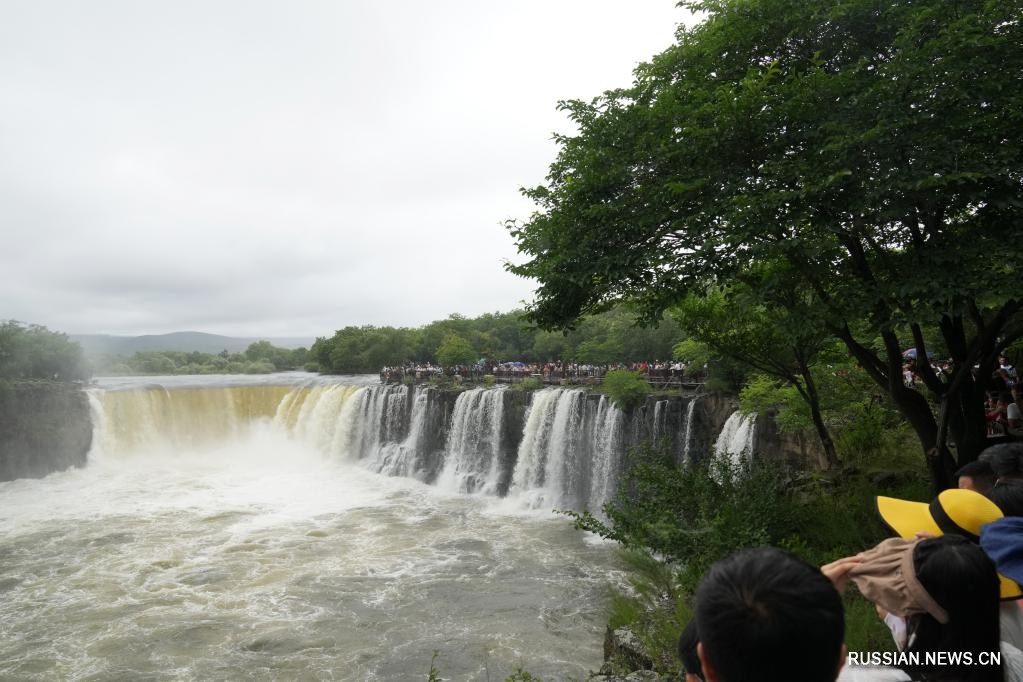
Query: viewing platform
x,y
662,379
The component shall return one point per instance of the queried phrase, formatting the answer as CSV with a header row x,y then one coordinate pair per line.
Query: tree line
x,y
609,337
31,351
261,357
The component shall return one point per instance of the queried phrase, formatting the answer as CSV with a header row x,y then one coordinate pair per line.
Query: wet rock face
x,y
798,451
44,427
665,419
624,651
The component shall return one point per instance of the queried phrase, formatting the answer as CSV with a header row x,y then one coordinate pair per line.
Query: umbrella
x,y
911,354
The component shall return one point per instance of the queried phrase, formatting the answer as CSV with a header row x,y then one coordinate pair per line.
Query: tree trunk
x,y
917,411
912,405
813,399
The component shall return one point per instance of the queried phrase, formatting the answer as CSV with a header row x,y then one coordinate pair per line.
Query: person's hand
x,y
924,535
838,571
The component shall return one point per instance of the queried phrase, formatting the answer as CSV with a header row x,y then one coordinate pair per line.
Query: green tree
x,y
259,350
625,388
362,349
35,352
153,362
550,346
454,350
872,147
780,340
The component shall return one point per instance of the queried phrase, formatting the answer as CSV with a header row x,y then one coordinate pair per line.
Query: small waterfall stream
x,y
736,438
687,440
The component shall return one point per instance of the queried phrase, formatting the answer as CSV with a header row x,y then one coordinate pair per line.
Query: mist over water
x,y
238,546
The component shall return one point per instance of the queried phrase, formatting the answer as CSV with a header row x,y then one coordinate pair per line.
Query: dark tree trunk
x,y
967,427
911,404
813,399
917,411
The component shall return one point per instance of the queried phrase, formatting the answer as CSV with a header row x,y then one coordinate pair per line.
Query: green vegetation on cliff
x,y
690,517
34,352
626,388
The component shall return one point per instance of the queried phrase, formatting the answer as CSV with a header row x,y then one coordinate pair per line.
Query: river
x,y
211,538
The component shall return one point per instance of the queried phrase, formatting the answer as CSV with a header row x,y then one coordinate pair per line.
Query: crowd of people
x,y
1003,378
1004,412
947,584
657,371
1003,405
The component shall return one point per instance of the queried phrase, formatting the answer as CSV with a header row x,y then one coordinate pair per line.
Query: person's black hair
x,y
1008,496
978,470
1006,458
763,614
963,581
687,642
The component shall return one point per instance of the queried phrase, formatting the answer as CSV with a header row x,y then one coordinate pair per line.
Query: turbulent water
x,y
246,530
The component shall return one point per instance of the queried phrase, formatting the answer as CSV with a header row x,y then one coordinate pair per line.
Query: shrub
x,y
259,367
489,380
626,388
530,384
312,367
691,517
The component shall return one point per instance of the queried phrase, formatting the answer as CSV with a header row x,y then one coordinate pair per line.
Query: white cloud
x,y
285,168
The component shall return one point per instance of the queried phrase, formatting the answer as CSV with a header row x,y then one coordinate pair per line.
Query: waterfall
x,y
371,418
687,443
735,441
312,413
548,471
567,453
160,419
473,452
660,415
407,457
605,466
100,424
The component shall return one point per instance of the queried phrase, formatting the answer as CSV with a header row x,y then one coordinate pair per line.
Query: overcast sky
x,y
287,168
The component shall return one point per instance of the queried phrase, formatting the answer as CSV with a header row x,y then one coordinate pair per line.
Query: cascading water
x,y
607,454
473,461
408,457
158,418
660,414
547,473
569,455
571,451
688,438
736,438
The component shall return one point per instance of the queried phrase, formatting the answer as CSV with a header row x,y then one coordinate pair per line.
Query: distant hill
x,y
106,344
